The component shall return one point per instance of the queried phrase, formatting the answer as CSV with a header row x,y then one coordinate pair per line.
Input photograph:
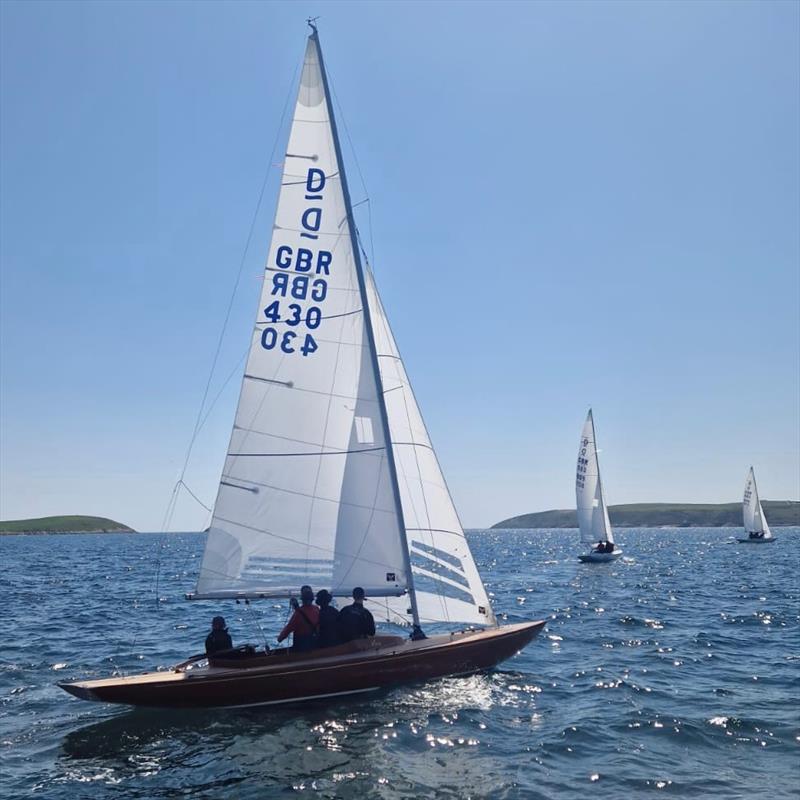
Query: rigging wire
x,y
200,419
183,483
254,619
367,200
203,413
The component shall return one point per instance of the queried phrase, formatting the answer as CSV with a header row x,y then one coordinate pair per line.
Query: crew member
x,y
304,623
355,621
219,638
328,620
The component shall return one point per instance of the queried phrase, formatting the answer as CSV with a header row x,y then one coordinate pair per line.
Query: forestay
x,y
447,585
306,494
592,512
754,519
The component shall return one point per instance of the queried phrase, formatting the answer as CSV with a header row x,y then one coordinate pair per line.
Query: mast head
x,y
312,23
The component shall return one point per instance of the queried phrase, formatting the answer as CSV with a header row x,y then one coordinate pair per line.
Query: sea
x,y
674,671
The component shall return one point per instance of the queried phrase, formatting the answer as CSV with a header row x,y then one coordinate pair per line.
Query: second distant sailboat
x,y
592,512
755,523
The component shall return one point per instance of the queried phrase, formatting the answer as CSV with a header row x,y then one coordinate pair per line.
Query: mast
x,y
351,226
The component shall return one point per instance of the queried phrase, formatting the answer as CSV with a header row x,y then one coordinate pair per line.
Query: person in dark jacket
x,y
328,620
355,621
219,638
304,623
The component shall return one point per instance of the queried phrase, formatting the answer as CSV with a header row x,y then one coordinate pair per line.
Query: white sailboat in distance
x,y
330,478
592,511
755,523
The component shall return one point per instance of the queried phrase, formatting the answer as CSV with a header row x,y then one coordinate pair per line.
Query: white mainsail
x,y
592,512
754,519
330,477
306,494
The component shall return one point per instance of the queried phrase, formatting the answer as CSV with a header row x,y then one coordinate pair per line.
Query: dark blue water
x,y
673,671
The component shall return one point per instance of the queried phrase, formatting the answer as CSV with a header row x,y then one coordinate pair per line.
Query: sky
x,y
570,205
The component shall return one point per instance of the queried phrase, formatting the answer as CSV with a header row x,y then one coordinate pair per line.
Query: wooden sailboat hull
x,y
600,558
283,677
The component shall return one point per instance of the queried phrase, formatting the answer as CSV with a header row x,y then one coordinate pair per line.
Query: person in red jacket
x,y
304,623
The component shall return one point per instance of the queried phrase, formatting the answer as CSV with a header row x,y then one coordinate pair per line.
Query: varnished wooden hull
x,y
370,664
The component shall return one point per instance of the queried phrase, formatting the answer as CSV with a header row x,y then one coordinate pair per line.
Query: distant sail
x,y
592,512
754,519
306,494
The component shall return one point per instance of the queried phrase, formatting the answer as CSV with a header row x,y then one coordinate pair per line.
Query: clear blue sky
x,y
573,204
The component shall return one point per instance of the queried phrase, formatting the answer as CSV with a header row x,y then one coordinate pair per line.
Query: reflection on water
x,y
347,750
653,675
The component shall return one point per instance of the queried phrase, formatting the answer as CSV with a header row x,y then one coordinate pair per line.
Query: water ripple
x,y
671,671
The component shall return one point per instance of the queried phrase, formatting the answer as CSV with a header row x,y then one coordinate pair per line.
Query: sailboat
x,y
592,510
330,477
755,523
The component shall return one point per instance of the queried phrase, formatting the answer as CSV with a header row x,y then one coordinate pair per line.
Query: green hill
x,y
74,524
656,515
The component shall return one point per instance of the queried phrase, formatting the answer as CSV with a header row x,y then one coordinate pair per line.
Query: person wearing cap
x,y
355,621
219,638
304,622
328,620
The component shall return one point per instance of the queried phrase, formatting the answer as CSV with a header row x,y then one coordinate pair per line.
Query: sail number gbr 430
x,y
299,285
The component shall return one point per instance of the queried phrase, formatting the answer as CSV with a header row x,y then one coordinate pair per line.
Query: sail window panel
x,y
420,562
364,432
267,575
441,555
233,544
456,545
